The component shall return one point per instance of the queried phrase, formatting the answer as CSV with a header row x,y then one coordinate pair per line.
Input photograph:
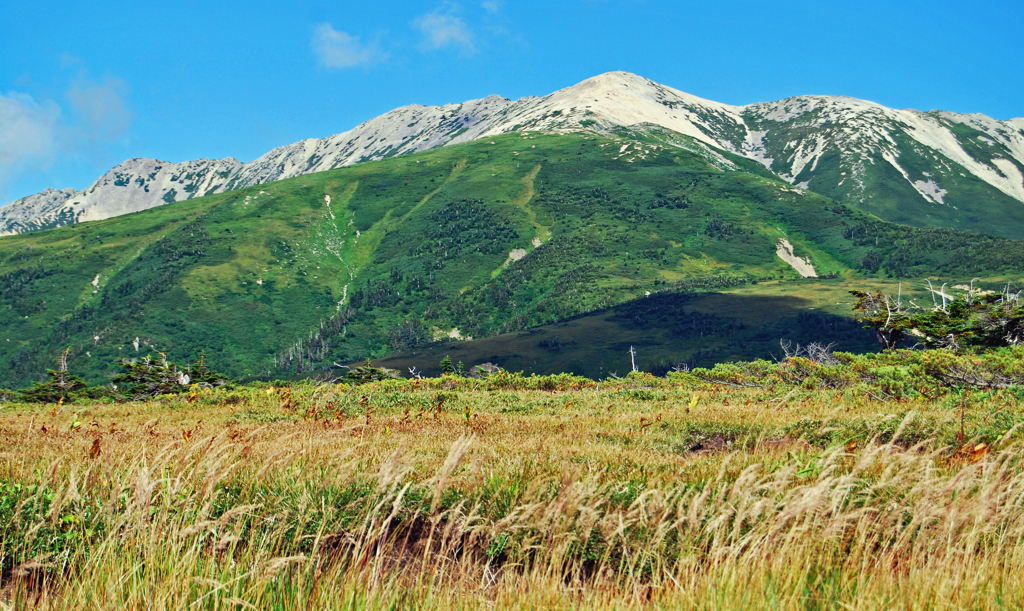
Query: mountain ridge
x,y
935,168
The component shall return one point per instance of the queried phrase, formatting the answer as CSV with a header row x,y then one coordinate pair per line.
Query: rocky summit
x,y
929,169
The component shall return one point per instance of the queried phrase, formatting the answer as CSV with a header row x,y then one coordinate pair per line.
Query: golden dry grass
x,y
331,497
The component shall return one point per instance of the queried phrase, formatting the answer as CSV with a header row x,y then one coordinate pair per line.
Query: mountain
x,y
140,184
934,169
136,184
513,235
937,169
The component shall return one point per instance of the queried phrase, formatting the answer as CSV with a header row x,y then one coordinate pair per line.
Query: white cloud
x,y
35,133
29,132
337,49
444,29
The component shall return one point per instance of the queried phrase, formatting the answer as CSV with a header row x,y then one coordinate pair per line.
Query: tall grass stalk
x,y
200,524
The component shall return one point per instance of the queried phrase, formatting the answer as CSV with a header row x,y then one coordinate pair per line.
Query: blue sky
x,y
84,86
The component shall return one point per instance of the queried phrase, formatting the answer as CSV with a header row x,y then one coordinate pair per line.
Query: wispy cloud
x,y
67,60
336,49
28,133
444,29
36,133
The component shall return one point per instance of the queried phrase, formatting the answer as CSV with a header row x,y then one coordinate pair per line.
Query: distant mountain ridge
x,y
923,168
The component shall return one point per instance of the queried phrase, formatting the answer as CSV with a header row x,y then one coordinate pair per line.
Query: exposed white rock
x,y
455,333
617,99
136,184
33,212
803,266
860,130
1012,174
930,190
753,147
139,184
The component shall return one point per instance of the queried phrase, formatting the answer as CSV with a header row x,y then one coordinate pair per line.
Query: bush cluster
x,y
972,341
971,321
893,374
141,379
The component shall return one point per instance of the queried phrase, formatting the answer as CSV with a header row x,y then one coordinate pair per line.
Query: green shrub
x,y
149,377
365,373
62,386
969,322
446,365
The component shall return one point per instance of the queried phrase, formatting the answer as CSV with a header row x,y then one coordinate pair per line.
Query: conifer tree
x,y
60,386
446,365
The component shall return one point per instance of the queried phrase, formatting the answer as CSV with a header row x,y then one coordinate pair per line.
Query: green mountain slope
x,y
465,241
877,160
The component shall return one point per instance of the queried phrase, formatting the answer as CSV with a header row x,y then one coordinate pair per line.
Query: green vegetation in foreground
x,y
978,335
472,240
793,485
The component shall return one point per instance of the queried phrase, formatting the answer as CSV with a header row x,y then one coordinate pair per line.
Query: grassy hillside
x,y
466,241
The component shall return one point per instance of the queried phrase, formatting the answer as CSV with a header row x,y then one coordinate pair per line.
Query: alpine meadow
x,y
615,347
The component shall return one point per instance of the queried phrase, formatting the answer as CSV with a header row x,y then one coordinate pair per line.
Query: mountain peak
x,y
790,137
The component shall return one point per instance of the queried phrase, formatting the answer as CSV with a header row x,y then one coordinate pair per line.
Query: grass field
x,y
456,493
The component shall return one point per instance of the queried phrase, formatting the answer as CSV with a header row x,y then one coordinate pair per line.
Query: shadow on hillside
x,y
665,330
